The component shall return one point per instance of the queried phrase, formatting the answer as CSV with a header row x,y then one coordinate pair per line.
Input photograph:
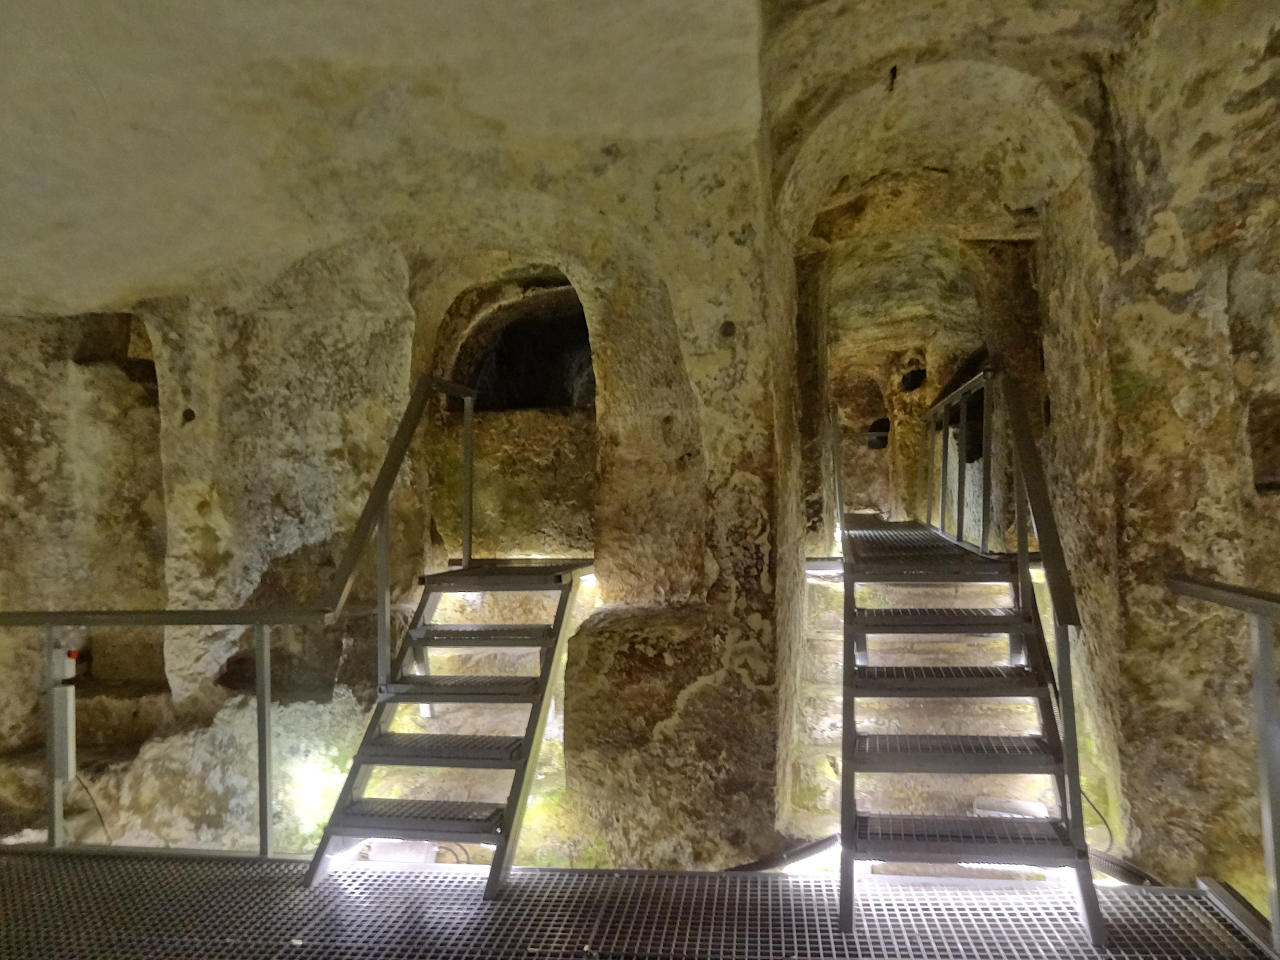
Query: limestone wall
x,y
1134,147
82,516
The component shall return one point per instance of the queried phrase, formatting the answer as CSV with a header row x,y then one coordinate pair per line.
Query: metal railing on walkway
x,y
1263,610
952,416
60,752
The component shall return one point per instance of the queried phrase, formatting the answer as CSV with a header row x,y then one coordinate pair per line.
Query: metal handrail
x,y
379,494
1263,609
374,519
1027,458
969,386
1258,602
1032,490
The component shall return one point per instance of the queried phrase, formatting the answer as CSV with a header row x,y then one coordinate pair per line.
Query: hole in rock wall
x,y
913,380
878,434
118,339
1264,443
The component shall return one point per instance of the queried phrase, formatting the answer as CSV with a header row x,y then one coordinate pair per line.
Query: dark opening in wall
x,y
532,354
913,379
878,434
119,339
1264,443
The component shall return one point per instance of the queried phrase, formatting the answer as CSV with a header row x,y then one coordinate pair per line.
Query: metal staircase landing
x,y
358,817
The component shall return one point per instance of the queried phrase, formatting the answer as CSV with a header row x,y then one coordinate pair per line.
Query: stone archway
x,y
900,181
651,500
520,340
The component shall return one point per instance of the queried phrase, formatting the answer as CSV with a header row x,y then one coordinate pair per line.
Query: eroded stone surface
x,y
652,775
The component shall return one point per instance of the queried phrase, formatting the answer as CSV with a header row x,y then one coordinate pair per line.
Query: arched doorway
x,y
522,344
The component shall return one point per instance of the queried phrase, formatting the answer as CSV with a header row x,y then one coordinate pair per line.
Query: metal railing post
x,y
929,432
57,736
1263,609
1025,591
837,470
917,508
961,461
383,591
944,471
262,676
1067,707
468,474
988,426
1262,630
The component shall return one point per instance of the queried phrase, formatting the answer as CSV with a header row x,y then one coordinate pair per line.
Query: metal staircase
x,y
358,817
894,555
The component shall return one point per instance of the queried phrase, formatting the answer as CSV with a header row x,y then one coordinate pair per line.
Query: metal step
x,y
880,551
492,635
463,689
946,682
443,750
965,839
936,620
506,575
906,571
945,753
419,820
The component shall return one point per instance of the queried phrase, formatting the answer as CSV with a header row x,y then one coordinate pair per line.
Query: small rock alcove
x,y
524,347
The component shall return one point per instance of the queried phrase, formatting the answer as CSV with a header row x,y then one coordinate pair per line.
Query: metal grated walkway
x,y
135,907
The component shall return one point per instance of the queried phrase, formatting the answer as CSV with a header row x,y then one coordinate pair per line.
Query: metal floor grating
x,y
67,907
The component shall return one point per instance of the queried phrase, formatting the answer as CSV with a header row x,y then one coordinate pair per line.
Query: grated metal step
x,y
442,750
490,635
967,839
506,575
463,689
935,620
880,551
922,681
418,819
907,571
946,753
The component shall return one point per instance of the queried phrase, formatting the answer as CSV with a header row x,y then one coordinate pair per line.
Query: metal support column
x,y
262,672
944,469
1024,591
962,457
382,589
57,735
1268,714
854,640
468,474
928,486
988,427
